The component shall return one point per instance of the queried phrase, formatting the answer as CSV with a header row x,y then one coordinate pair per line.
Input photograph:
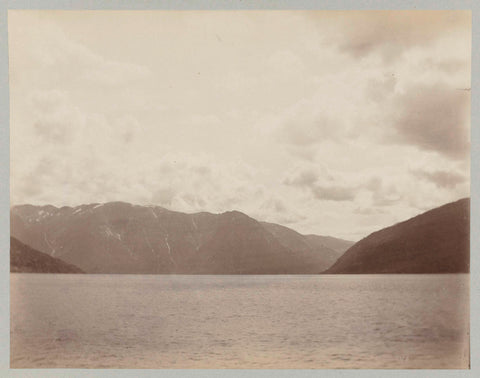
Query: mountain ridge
x,y
118,237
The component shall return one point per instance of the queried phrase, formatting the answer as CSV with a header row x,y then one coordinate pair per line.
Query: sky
x,y
329,122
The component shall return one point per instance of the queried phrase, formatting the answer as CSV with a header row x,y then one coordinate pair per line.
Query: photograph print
x,y
239,189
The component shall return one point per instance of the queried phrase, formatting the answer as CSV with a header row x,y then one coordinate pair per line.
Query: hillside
x,y
437,241
330,248
338,245
24,259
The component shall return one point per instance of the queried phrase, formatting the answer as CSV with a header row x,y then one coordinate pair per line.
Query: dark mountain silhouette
x,y
24,259
118,237
437,241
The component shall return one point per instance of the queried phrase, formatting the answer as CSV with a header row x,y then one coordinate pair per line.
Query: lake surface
x,y
327,321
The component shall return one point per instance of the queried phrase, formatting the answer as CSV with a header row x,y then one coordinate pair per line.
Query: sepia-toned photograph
x,y
240,189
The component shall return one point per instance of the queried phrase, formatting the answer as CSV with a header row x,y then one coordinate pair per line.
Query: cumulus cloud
x,y
442,179
306,177
191,182
345,107
163,196
334,193
54,118
374,184
434,118
330,115
369,211
386,198
178,181
275,208
391,33
383,192
321,184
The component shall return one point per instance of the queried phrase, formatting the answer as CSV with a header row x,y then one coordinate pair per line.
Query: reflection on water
x,y
343,321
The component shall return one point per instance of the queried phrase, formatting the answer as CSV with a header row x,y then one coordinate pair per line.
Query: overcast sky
x,y
335,123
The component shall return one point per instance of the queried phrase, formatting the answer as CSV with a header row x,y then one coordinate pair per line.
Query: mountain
x,y
118,237
24,259
338,245
437,241
330,248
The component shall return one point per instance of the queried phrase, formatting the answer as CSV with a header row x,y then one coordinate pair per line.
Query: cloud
x,y
89,66
323,116
54,118
377,89
433,118
450,65
275,208
334,193
163,196
303,178
369,211
386,198
307,129
382,193
343,107
321,184
47,55
391,33
190,182
442,179
275,204
374,184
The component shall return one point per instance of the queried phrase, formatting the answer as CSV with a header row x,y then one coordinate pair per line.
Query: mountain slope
x,y
24,259
118,237
437,241
304,243
338,245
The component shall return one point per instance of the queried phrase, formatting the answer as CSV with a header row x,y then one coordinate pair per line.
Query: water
x,y
343,321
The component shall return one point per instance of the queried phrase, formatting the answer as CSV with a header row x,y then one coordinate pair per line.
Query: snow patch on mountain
x,y
169,251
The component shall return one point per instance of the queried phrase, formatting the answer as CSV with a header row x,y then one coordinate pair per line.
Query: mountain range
x,y
118,237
